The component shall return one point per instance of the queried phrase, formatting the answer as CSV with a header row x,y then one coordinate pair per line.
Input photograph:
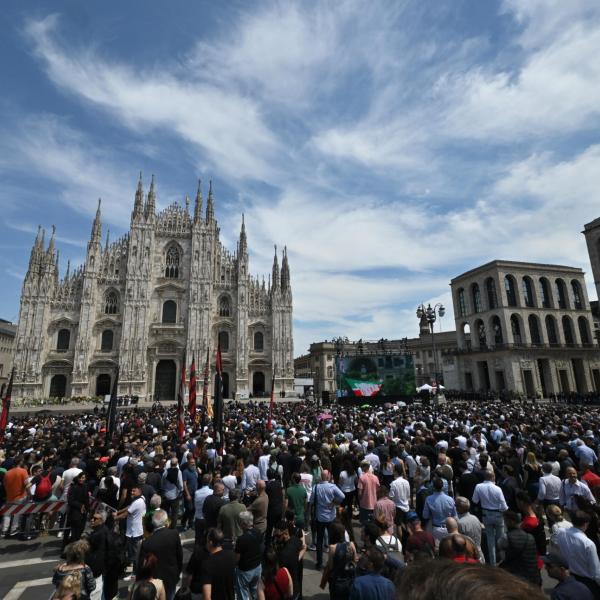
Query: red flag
x,y
218,401
272,403
205,407
6,404
192,399
180,404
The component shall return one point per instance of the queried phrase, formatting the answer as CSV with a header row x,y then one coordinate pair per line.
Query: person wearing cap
x,y
326,496
418,540
580,552
568,588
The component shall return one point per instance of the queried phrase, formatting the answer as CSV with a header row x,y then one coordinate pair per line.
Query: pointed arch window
x,y
224,341
63,340
111,303
259,341
224,307
172,263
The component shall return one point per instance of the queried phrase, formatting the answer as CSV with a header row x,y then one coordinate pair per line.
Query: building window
x,y
259,341
577,296
107,340
492,297
476,297
329,357
111,303
516,329
534,330
462,303
551,330
561,293
568,331
545,292
169,312
497,329
584,331
224,341
224,307
172,263
527,292
63,340
330,372
511,293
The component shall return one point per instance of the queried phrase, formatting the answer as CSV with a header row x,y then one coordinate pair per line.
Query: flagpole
x,y
205,389
111,415
192,391
6,404
272,402
180,409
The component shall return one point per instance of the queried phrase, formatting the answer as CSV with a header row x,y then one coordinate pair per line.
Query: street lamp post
x,y
430,315
339,343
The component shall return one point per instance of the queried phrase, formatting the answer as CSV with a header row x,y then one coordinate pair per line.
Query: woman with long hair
x,y
275,582
146,574
75,566
340,568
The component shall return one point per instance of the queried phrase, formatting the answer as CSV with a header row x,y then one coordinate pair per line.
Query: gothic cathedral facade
x,y
146,304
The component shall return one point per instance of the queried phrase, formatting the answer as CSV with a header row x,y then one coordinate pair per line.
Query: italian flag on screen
x,y
364,388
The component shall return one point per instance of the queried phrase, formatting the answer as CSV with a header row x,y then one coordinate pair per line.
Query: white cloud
x,y
228,127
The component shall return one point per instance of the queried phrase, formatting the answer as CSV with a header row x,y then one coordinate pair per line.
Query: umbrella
x,y
324,417
426,387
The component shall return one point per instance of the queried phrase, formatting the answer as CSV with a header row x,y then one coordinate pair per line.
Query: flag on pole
x,y
206,409
180,404
111,416
192,399
272,403
218,402
6,404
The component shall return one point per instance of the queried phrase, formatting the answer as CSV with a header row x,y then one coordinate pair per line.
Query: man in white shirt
x,y
263,462
372,458
571,487
491,499
250,477
580,552
400,494
134,530
549,490
202,493
68,476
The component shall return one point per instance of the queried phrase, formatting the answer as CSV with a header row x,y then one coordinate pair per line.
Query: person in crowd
x,y
340,569
549,486
276,502
190,478
519,549
297,499
276,582
567,588
368,485
401,497
98,549
580,552
74,565
217,569
326,497
228,520
213,505
290,545
147,582
468,524
259,507
490,498
371,585
419,541
134,529
438,506
248,552
78,505
172,490
165,544
571,486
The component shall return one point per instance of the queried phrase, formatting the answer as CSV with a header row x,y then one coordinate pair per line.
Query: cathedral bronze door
x,y
103,385
58,386
258,384
166,380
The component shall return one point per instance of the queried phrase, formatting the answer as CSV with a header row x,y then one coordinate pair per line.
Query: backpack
x,y
392,547
43,490
172,475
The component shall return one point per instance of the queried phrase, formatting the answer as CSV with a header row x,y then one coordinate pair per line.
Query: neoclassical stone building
x,y
166,290
525,327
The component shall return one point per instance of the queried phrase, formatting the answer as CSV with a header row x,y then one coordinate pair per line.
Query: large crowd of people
x,y
472,500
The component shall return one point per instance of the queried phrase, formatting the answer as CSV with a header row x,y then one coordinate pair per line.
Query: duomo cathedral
x,y
165,292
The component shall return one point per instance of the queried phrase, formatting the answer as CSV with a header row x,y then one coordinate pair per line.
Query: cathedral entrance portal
x,y
165,381
258,384
58,386
103,385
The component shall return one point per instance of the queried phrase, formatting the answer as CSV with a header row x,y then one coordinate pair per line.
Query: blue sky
x,y
390,145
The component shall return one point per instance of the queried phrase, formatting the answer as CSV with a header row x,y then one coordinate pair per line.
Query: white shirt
x,y
135,515
199,497
549,487
347,483
490,496
121,463
68,477
263,466
400,493
250,477
229,483
373,460
306,479
580,553
568,492
114,478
